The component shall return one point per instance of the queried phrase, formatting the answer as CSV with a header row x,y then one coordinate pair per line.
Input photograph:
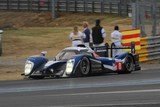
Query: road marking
x,y
111,92
104,105
77,86
126,104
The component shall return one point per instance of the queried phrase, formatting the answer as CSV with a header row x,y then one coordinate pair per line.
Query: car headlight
x,y
28,67
69,66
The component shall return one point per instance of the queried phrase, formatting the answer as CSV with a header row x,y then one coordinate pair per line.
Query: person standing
x,y
116,38
87,32
98,34
76,37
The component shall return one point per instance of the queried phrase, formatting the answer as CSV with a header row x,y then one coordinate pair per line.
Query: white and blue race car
x,y
77,62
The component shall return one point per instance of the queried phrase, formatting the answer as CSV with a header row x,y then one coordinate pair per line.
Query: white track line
x,y
104,105
111,92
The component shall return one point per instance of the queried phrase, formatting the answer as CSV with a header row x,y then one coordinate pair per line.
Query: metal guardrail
x,y
150,49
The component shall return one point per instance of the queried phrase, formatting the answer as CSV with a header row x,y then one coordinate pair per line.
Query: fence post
x,y
29,5
75,5
53,9
18,4
1,31
110,7
119,9
57,6
39,5
66,5
102,6
84,5
8,3
127,9
154,18
48,3
92,6
134,15
142,18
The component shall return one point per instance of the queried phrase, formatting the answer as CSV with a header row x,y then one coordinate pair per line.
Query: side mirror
x,y
43,53
54,58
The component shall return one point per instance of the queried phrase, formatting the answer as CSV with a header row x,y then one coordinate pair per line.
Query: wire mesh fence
x,y
146,13
147,17
121,7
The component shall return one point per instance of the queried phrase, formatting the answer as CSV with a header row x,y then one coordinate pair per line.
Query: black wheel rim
x,y
129,63
84,67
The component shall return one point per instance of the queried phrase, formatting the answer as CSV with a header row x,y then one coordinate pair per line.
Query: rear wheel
x,y
129,64
84,67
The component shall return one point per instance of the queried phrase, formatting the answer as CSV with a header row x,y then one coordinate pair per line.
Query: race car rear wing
x,y
107,50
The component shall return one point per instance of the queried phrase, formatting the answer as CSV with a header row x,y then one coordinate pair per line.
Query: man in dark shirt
x,y
98,34
87,32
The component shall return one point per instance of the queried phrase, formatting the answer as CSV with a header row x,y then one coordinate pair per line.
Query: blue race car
x,y
77,62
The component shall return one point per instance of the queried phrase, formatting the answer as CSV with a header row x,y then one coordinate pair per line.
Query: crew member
x,y
98,34
76,37
116,38
87,32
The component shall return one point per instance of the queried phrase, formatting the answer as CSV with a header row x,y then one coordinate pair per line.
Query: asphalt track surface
x,y
139,89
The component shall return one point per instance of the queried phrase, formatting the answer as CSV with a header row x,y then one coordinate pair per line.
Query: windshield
x,y
65,55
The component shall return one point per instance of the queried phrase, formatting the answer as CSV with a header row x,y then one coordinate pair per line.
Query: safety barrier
x,y
132,35
150,49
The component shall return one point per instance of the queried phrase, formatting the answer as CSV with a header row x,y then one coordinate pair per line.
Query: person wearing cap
x,y
76,37
98,34
87,32
116,38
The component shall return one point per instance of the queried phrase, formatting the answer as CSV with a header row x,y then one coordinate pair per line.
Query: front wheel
x,y
84,67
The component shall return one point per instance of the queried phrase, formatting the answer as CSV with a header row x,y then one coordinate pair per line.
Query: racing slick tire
x,y
84,67
128,66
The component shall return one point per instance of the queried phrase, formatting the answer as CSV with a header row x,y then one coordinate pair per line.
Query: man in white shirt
x,y
116,38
